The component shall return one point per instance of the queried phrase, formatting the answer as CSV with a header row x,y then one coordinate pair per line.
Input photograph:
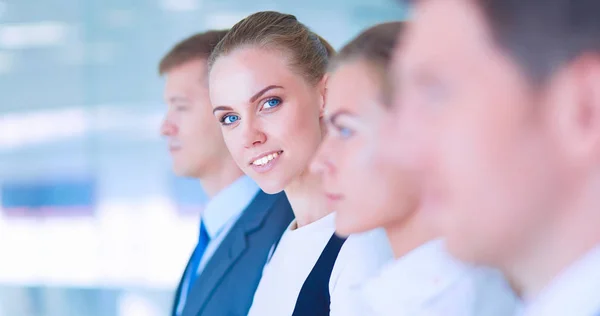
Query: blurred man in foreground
x,y
505,98
240,223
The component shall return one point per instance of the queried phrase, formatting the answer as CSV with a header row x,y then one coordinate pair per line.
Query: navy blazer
x,y
227,284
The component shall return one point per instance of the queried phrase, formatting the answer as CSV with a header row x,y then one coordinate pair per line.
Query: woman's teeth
x,y
264,160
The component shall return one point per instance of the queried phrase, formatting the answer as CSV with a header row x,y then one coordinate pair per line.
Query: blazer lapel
x,y
232,247
178,291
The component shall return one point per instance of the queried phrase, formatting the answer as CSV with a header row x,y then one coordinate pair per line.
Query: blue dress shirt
x,y
218,217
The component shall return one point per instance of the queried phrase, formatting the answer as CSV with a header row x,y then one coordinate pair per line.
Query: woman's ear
x,y
322,87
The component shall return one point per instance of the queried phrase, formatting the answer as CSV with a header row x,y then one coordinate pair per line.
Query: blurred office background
x,y
92,221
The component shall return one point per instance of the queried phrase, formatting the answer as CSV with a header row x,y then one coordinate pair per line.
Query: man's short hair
x,y
375,46
543,35
195,47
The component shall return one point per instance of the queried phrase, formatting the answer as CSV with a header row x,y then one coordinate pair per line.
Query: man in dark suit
x,y
240,223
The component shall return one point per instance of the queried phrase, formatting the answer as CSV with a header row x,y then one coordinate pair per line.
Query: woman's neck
x,y
410,233
307,199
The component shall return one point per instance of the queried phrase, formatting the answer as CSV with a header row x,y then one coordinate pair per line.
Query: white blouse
x,y
359,259
429,282
573,292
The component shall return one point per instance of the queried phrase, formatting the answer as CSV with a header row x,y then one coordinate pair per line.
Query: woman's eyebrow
x,y
252,99
336,115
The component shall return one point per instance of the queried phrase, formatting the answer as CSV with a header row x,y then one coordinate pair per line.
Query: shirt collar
x,y
573,292
324,223
229,203
414,278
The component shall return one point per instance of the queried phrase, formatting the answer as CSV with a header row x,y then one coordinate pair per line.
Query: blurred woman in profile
x,y
371,192
267,82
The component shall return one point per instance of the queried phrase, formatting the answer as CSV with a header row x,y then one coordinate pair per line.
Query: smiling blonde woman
x,y
267,84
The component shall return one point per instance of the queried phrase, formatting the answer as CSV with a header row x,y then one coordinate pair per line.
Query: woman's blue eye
x,y
271,103
345,132
229,119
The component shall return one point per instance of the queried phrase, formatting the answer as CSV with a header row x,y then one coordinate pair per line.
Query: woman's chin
x,y
270,187
346,226
271,190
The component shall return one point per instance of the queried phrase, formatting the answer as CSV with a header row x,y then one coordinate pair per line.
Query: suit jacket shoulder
x,y
231,276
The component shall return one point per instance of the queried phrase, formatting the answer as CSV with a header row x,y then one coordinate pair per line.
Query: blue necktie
x,y
192,274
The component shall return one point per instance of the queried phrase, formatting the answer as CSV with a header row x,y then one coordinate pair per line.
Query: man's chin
x,y
185,172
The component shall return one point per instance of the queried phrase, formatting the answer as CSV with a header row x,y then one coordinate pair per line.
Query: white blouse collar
x,y
410,281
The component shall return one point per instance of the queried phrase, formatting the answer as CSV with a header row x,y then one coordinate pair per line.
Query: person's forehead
x,y
351,85
443,30
249,71
190,73
195,68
